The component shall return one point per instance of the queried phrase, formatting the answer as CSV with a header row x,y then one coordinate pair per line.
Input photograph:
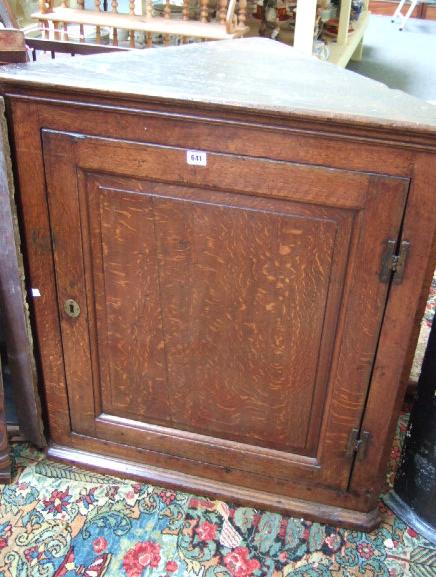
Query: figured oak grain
x,y
216,295
214,305
115,158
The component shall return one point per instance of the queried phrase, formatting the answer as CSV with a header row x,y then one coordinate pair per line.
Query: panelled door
x,y
227,312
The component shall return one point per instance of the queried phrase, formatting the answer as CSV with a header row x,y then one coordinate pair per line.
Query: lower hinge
x,y
393,263
358,444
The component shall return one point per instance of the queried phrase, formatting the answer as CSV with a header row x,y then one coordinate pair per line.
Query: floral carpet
x,y
60,521
57,520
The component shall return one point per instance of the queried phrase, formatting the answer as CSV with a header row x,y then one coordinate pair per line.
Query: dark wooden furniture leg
x,y
5,462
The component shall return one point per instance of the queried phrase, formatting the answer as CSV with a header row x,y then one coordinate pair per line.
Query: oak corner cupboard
x,y
230,258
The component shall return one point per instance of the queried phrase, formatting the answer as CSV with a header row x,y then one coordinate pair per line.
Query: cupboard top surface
x,y
254,74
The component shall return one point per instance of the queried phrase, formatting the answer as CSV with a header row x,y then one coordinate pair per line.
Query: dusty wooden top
x,y
250,73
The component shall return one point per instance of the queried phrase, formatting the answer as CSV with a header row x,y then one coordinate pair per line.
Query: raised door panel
x,y
219,303
211,309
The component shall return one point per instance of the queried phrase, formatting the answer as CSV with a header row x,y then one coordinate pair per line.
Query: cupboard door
x,y
226,313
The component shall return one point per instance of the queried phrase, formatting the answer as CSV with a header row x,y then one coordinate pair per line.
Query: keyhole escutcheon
x,y
71,307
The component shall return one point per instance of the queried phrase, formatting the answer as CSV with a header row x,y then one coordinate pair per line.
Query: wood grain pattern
x,y
233,315
365,297
38,246
12,47
398,328
229,284
337,516
129,317
68,259
190,337
289,142
304,183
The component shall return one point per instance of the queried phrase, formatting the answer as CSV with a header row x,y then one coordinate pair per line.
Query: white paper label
x,y
196,158
35,292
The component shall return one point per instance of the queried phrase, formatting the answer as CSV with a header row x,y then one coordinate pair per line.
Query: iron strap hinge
x,y
358,444
393,262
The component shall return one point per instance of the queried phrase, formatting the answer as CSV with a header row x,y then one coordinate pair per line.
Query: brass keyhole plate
x,y
71,307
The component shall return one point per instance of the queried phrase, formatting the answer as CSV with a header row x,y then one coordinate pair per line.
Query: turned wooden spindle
x,y
148,16
114,6
65,4
97,28
132,32
242,13
204,10
167,16
56,35
81,5
185,12
185,16
148,9
222,11
43,9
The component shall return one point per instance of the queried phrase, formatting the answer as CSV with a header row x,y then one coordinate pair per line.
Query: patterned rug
x,y
57,520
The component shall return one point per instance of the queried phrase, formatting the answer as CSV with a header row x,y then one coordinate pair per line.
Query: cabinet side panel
x,y
39,262
388,388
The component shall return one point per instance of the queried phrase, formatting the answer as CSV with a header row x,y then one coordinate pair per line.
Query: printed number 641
x,y
196,158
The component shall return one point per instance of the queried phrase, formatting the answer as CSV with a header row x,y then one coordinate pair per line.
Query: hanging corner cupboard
x,y
230,265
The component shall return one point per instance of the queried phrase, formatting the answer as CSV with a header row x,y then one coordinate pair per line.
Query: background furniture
x,y
426,10
15,45
229,265
403,17
348,44
5,462
414,495
227,22
12,42
13,305
12,46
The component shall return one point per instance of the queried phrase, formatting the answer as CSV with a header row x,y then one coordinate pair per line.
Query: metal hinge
x,y
357,444
393,262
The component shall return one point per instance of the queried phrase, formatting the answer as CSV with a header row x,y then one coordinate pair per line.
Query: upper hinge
x,y
358,444
393,262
